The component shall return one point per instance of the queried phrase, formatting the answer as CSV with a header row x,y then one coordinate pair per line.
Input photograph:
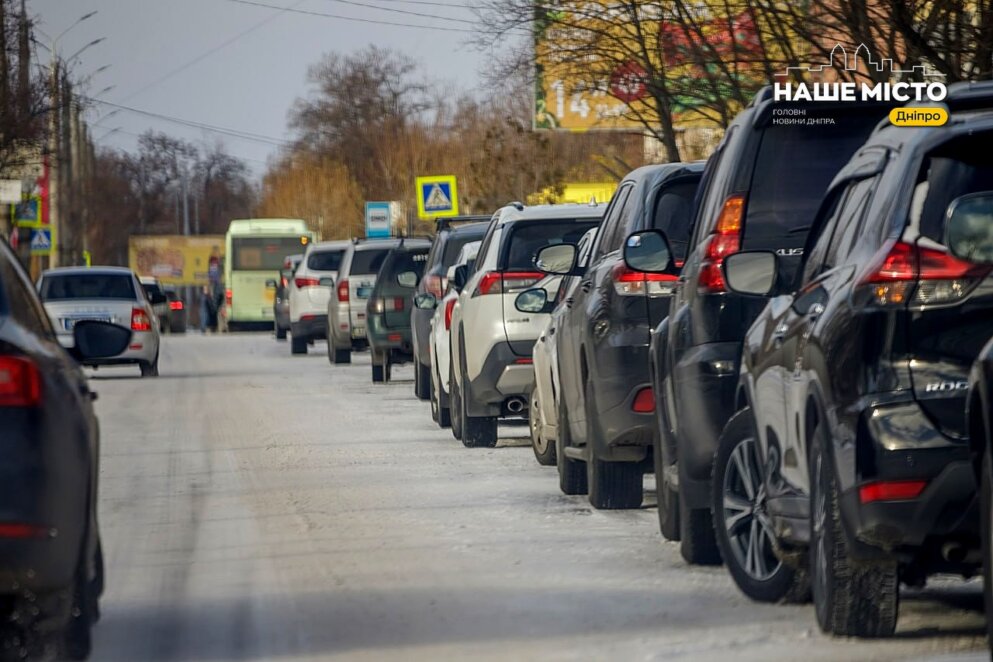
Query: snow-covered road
x,y
258,506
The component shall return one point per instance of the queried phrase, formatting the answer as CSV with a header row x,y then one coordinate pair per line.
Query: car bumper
x,y
504,375
311,327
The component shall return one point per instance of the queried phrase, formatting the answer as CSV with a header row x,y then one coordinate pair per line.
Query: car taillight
x,y
896,490
306,282
343,290
435,285
20,382
449,307
628,282
227,296
380,305
504,282
725,240
906,273
140,320
175,305
644,401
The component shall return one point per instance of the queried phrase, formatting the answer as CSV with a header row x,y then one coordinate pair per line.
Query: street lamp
x,y
80,51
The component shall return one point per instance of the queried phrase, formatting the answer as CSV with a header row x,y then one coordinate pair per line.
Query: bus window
x,y
262,253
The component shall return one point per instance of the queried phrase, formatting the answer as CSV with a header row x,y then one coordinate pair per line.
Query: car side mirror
x,y
270,283
969,227
534,300
648,251
327,281
155,298
557,259
407,279
460,277
753,273
425,301
98,340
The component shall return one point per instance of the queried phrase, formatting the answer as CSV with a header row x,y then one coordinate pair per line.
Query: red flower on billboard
x,y
627,82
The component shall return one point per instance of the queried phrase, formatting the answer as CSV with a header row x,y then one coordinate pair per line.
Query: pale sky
x,y
248,85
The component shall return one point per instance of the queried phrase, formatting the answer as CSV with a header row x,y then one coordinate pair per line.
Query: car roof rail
x,y
516,204
970,95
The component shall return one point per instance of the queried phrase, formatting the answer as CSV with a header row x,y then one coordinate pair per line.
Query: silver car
x,y
109,294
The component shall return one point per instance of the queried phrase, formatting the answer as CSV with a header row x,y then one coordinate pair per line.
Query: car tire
x,y
742,526
986,529
544,449
440,415
422,380
455,402
850,599
280,333
666,496
697,543
298,345
572,473
614,485
337,355
477,431
150,368
378,375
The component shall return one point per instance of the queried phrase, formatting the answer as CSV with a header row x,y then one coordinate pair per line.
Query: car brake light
x,y
449,307
505,282
306,282
227,296
628,282
343,290
897,490
140,320
20,382
644,401
725,240
932,276
15,530
175,305
435,285
394,337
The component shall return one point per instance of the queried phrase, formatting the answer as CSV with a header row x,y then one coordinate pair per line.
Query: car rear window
x,y
368,261
87,286
455,243
151,288
674,216
529,237
957,168
325,260
794,166
398,263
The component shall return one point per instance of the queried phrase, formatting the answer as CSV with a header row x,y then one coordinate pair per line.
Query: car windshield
x,y
325,260
87,286
368,261
529,237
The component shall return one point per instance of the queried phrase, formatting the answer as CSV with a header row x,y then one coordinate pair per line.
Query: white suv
x,y
310,290
491,341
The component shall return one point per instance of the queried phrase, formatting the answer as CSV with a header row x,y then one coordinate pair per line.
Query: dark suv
x,y
388,309
760,190
850,444
448,241
606,424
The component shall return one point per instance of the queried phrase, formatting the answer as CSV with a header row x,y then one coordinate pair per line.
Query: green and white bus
x,y
255,249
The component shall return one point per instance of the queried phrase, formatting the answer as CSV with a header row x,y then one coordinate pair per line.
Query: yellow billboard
x,y
174,259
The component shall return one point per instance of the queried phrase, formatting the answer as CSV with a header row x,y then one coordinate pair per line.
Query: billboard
x,y
597,70
174,259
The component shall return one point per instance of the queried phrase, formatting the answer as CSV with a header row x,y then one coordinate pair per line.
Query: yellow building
x,y
580,192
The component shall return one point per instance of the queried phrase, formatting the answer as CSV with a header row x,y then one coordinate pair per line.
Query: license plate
x,y
363,292
69,323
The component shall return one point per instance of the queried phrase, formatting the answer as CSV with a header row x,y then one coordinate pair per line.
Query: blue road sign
x,y
377,219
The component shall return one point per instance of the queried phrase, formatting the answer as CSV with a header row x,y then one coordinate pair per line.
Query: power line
x,y
404,11
305,12
453,5
138,135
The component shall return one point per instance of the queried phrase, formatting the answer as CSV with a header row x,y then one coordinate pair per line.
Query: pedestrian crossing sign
x,y
41,241
437,197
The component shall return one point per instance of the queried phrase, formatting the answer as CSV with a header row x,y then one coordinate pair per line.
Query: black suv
x,y
760,190
448,241
388,309
850,444
606,424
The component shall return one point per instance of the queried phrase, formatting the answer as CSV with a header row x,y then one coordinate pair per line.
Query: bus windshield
x,y
262,253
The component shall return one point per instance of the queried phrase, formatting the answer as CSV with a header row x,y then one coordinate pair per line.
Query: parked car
x,y
760,190
178,316
388,309
441,322
281,304
48,480
606,421
160,302
106,294
491,340
347,322
850,445
310,291
448,242
543,407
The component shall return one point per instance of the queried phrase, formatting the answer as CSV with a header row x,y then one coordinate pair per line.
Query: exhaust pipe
x,y
516,405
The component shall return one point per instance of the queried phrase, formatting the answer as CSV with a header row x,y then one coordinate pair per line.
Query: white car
x,y
491,340
108,294
310,290
543,405
438,346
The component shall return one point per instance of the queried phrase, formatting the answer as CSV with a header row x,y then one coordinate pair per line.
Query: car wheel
x,y
850,599
422,380
455,402
742,525
666,496
477,431
572,473
986,526
280,333
338,355
298,345
544,450
150,368
611,485
378,365
440,415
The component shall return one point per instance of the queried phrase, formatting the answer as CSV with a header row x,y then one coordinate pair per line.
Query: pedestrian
x,y
206,302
